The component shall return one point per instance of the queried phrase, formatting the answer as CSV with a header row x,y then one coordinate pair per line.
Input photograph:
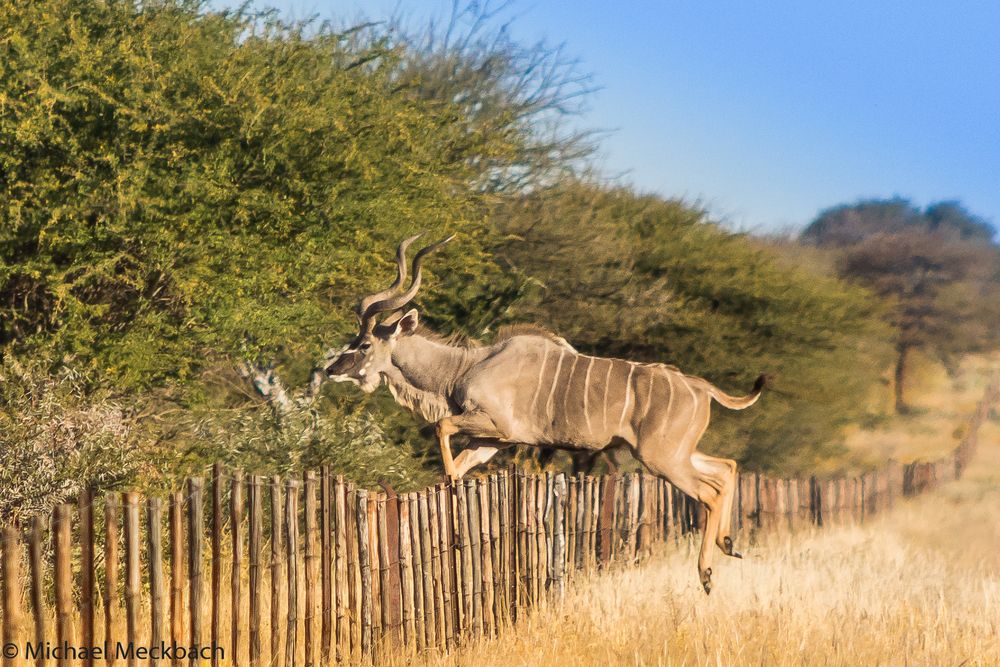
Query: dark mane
x,y
505,332
508,331
457,339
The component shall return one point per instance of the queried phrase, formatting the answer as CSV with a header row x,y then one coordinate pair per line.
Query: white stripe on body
x,y
694,410
628,392
607,384
538,384
649,394
569,385
670,387
552,389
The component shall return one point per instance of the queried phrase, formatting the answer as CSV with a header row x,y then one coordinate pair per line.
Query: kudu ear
x,y
406,324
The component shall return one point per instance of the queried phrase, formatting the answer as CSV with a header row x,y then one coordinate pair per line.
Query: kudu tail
x,y
739,402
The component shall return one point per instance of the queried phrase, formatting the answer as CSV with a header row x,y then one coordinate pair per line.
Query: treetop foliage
x,y
848,224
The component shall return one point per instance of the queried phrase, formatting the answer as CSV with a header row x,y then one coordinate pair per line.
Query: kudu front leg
x,y
445,429
476,424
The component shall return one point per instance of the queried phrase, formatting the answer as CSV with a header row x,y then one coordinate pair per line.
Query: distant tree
x,y
848,224
938,268
953,219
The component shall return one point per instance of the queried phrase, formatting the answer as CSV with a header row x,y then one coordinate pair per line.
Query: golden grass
x,y
918,585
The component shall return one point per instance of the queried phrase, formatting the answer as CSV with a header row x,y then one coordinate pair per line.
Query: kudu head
x,y
364,359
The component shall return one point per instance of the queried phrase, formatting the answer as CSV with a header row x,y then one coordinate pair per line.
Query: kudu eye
x,y
364,347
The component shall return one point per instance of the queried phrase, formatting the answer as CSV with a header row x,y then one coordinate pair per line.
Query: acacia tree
x,y
938,268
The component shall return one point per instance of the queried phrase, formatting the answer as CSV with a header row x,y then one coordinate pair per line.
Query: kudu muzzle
x,y
345,366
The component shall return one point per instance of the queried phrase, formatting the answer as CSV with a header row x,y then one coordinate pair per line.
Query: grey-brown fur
x,y
533,388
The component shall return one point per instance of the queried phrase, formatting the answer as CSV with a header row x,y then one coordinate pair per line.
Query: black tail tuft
x,y
760,382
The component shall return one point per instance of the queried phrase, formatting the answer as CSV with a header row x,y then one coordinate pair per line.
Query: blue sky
x,y
768,112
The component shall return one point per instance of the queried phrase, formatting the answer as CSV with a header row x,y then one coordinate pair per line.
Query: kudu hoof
x,y
728,548
706,580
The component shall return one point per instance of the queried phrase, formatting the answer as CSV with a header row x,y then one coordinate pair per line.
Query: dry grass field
x,y
917,585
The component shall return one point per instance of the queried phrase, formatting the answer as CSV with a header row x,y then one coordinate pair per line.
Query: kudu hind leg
x,y
689,479
709,492
722,473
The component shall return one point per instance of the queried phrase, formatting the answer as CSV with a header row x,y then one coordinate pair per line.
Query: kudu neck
x,y
431,365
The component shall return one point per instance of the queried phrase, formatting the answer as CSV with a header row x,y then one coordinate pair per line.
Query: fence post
x,y
521,555
580,529
758,505
361,518
427,570
485,556
446,499
391,539
154,516
216,560
11,592
406,575
37,583
236,580
815,501
254,549
864,495
496,558
633,496
437,569
559,546
175,535
132,583
291,557
501,540
374,564
541,534
276,524
196,518
86,514
475,548
325,564
419,617
606,518
339,515
380,531
353,569
63,576
309,562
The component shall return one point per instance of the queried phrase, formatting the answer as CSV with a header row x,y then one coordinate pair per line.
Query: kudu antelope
x,y
535,389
